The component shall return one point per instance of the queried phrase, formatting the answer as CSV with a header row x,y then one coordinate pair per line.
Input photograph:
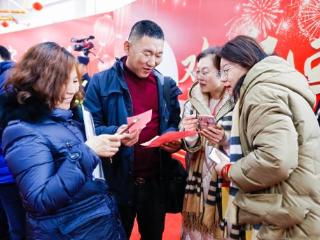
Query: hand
x,y
214,134
171,147
189,123
122,129
105,145
219,167
129,139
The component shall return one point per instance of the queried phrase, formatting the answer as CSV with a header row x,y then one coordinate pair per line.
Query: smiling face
x,y
208,77
231,74
143,55
70,90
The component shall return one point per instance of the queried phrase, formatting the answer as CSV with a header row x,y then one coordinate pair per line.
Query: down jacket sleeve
x,y
43,187
272,140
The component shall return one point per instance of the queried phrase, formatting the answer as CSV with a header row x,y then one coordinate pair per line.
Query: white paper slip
x,y
217,156
90,132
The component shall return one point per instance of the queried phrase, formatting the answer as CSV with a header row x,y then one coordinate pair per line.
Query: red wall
x,y
189,26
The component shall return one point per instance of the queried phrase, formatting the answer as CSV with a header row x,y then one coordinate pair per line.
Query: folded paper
x,y
157,141
139,121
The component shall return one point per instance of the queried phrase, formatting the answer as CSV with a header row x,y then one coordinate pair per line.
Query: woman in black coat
x,y
47,152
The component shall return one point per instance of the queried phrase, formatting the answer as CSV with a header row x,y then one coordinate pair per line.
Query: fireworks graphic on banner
x,y
309,19
288,20
258,17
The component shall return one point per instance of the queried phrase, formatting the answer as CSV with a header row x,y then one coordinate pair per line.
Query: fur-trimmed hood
x,y
32,111
200,102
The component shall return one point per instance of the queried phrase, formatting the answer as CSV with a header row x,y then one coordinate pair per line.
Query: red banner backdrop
x,y
291,28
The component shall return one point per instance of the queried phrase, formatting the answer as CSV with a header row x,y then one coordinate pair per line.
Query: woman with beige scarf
x,y
202,202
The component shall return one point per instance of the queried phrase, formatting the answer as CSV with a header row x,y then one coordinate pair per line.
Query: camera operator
x,y
83,62
83,45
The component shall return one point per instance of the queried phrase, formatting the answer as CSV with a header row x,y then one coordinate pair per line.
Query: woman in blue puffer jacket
x,y
48,155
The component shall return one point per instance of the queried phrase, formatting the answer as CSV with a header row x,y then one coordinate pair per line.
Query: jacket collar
x,y
5,65
61,114
200,102
119,68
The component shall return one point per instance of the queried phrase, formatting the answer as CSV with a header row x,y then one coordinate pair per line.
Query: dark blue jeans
x,y
3,225
93,218
11,204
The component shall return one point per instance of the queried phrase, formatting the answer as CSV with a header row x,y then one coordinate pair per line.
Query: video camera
x,y
83,44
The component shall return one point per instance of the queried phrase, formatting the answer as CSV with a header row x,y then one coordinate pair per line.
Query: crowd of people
x,y
261,144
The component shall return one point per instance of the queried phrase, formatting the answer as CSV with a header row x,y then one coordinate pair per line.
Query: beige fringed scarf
x,y
200,214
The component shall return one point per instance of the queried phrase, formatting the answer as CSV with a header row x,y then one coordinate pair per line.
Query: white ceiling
x,y
55,11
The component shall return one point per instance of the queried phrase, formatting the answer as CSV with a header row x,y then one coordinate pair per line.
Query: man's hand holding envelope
x,y
134,127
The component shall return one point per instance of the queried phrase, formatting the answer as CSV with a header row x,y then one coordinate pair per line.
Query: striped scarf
x,y
204,215
200,214
232,230
318,113
203,212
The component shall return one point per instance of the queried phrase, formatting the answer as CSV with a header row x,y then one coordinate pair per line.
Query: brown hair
x,y
243,50
43,72
211,51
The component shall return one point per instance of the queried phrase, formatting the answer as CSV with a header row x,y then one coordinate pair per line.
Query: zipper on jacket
x,y
69,145
132,159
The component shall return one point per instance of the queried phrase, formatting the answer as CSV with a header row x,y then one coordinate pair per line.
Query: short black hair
x,y
211,51
146,28
4,53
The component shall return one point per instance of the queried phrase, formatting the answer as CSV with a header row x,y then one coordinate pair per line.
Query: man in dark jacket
x,y
83,62
9,197
132,86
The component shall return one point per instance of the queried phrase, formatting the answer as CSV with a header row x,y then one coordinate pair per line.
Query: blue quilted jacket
x,y
50,162
5,174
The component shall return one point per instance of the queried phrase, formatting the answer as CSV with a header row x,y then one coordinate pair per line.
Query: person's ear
x,y
126,47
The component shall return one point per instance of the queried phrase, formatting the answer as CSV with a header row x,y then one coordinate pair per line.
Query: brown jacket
x,y
279,175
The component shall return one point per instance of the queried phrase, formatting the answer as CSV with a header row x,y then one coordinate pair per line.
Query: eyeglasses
x,y
223,73
204,73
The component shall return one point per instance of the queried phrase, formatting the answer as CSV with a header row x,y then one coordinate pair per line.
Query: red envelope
x,y
139,121
157,141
